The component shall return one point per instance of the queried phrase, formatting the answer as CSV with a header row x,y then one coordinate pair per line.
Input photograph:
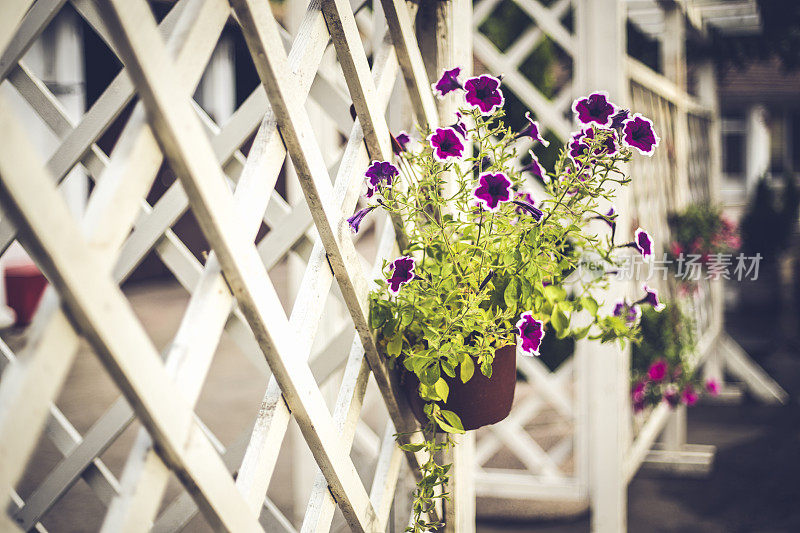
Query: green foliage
x,y
667,337
664,335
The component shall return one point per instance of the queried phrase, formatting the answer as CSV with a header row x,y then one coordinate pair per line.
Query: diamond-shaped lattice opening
x,y
568,20
505,24
548,67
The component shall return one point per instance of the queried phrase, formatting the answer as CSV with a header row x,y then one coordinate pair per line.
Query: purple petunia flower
x,y
402,273
531,332
643,242
399,142
609,218
528,208
484,93
358,217
580,142
638,132
657,370
378,174
447,144
536,168
619,118
609,144
689,396
594,108
630,313
459,126
533,131
449,82
651,297
712,387
493,189
525,197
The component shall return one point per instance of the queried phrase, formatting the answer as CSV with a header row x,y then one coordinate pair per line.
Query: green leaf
x,y
406,317
448,368
453,420
590,304
467,369
411,447
560,321
394,345
442,389
511,294
581,333
431,375
554,293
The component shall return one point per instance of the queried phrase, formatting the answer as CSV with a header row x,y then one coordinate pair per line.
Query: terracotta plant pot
x,y
478,402
24,288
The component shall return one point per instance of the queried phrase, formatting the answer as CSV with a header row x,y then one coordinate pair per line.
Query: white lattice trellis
x,y
231,195
600,447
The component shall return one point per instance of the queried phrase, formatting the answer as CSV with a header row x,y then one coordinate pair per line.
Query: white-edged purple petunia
x,y
459,126
638,133
651,298
533,130
400,142
619,118
630,313
594,108
609,218
525,205
483,93
378,174
530,332
536,168
447,144
643,242
449,82
358,217
402,273
492,190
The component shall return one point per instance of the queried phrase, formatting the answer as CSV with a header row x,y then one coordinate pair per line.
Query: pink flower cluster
x,y
664,383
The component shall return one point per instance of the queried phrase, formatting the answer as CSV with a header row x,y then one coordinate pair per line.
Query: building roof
x,y
729,17
760,81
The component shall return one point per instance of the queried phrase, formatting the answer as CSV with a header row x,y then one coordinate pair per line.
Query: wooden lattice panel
x,y
231,195
546,23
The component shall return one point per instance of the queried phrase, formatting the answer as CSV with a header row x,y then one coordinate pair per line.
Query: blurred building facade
x,y
760,109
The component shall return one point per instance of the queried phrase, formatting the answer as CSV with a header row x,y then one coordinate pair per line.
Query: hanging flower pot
x,y
485,264
479,402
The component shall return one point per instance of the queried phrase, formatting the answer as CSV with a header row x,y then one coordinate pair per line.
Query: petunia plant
x,y
488,263
663,361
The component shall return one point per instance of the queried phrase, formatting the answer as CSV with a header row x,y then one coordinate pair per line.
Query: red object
x,y
24,288
478,402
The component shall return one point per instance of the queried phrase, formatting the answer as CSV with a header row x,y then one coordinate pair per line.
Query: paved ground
x,y
754,486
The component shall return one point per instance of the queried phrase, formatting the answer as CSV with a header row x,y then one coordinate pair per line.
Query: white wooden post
x,y
673,63
63,69
445,34
707,94
756,145
217,90
600,65
454,49
6,313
